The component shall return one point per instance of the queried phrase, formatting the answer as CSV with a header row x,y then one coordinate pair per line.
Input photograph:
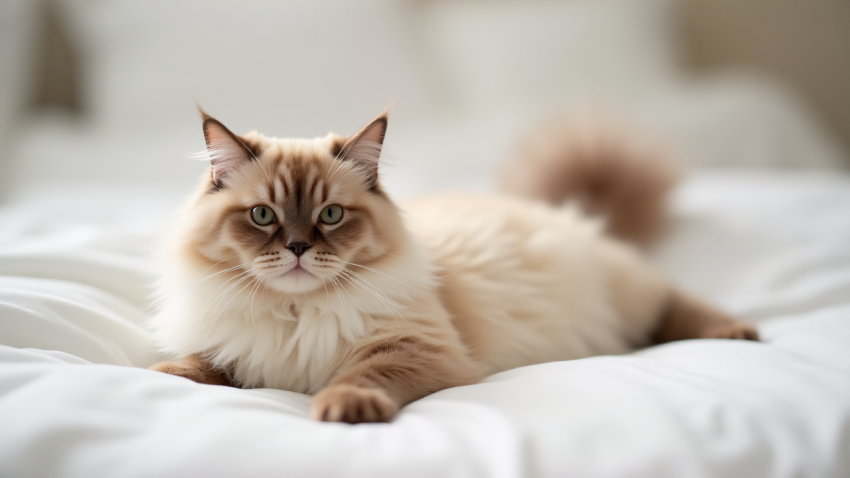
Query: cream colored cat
x,y
291,268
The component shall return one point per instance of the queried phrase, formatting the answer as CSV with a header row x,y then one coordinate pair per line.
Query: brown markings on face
x,y
349,233
254,147
337,143
271,190
245,232
357,239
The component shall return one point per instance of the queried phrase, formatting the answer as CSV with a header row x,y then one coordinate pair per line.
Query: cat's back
x,y
527,282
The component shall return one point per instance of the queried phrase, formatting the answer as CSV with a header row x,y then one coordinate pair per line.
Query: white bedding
x,y
75,399
85,202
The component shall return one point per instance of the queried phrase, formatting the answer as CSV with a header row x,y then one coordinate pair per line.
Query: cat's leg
x,y
686,317
386,376
653,311
196,369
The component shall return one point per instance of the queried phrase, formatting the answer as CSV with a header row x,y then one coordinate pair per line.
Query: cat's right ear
x,y
226,151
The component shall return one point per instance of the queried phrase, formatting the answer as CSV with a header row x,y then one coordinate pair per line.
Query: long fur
x,y
609,171
390,303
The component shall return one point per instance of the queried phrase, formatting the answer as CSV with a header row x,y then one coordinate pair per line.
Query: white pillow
x,y
297,68
739,118
18,39
498,54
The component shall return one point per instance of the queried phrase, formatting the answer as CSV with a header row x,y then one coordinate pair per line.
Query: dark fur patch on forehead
x,y
271,190
301,176
297,171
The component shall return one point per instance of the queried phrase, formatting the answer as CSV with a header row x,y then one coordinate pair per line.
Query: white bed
x,y
760,226
75,399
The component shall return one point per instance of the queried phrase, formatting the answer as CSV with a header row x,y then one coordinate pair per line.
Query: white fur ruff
x,y
279,340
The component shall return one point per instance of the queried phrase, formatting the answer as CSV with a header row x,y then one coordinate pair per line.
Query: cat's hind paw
x,y
731,330
195,370
350,404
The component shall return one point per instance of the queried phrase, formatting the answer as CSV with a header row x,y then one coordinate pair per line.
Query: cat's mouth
x,y
296,271
298,278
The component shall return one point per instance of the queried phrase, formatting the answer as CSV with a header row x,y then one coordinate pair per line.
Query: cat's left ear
x,y
364,148
226,151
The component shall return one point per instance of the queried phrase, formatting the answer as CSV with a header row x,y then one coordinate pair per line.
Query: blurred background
x,y
99,95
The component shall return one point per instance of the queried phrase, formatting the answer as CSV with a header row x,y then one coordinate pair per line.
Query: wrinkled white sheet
x,y
772,247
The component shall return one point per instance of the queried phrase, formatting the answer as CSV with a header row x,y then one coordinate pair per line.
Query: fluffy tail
x,y
608,171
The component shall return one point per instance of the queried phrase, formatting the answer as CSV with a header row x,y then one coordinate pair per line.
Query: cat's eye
x,y
262,215
331,214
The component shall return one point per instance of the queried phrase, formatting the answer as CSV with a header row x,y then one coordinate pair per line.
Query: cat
x,y
290,267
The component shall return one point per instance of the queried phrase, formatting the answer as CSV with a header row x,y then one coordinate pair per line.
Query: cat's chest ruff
x,y
294,347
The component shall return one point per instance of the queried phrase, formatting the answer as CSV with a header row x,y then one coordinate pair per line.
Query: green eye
x,y
331,214
262,215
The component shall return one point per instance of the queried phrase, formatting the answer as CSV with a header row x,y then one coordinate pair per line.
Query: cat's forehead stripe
x,y
263,194
271,193
279,190
299,178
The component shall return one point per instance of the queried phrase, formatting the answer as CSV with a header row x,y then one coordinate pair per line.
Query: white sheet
x,y
74,400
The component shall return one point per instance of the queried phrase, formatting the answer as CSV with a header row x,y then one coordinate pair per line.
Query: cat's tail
x,y
608,170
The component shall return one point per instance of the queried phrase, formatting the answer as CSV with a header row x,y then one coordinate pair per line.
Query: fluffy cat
x,y
291,268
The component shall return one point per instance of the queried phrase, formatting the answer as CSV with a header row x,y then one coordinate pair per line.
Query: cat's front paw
x,y
350,404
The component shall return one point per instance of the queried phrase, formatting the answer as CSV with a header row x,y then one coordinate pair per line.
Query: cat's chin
x,y
297,281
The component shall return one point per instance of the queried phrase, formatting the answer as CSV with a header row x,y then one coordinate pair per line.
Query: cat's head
x,y
291,213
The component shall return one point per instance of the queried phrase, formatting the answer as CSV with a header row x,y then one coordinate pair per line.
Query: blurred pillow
x,y
18,37
506,53
738,119
297,67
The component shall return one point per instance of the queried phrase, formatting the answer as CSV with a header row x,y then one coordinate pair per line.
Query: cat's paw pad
x,y
195,374
350,404
732,330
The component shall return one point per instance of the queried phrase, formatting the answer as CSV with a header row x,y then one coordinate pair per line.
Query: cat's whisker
x,y
344,300
407,261
352,169
391,305
253,295
228,303
340,161
218,298
217,263
374,322
375,291
337,288
327,294
340,288
392,312
381,273
200,281
262,167
360,292
268,261
214,293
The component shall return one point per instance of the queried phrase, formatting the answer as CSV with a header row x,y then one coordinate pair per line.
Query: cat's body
x,y
291,268
527,283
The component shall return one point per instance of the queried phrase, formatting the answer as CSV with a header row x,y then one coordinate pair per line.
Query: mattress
x,y
769,246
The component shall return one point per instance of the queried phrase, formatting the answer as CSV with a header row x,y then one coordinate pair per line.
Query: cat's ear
x,y
226,151
364,148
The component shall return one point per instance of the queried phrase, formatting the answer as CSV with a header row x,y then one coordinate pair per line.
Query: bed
x,y
760,226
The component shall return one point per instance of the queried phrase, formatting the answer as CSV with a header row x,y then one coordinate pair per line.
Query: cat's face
x,y
292,215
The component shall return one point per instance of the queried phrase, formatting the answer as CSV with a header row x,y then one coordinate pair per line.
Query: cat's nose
x,y
298,248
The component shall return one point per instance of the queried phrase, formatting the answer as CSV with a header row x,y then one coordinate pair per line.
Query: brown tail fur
x,y
608,171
